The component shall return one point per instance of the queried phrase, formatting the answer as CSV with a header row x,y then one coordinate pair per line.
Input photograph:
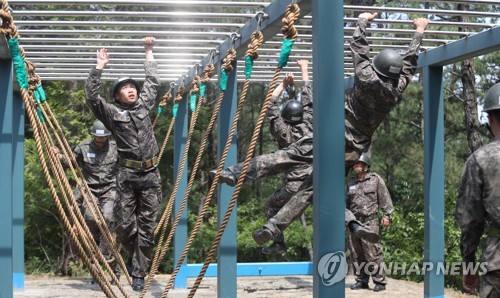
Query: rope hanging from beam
x,y
34,99
288,29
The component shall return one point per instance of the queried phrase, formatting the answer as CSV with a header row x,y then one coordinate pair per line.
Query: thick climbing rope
x,y
292,14
87,195
195,106
161,106
207,73
30,89
27,94
167,96
250,55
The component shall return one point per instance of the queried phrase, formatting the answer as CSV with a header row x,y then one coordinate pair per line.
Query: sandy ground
x,y
264,286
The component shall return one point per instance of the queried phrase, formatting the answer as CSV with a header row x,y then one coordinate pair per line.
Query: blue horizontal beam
x,y
269,28
257,269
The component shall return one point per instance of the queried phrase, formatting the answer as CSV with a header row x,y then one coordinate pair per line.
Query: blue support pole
x,y
180,235
433,179
18,191
6,149
227,250
329,164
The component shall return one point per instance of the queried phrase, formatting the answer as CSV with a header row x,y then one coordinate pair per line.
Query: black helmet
x,y
120,81
99,130
365,158
492,98
388,63
292,112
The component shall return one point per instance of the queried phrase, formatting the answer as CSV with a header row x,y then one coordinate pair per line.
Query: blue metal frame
x,y
329,162
180,235
6,150
433,179
255,269
227,250
18,191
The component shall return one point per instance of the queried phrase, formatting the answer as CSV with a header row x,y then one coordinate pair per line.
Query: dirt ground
x,y
259,286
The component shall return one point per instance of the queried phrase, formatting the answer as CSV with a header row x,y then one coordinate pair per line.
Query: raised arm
x,y
152,83
359,44
410,57
101,109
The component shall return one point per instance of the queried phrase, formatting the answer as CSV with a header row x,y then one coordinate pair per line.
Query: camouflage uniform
x,y
478,205
139,187
372,96
364,198
99,169
285,134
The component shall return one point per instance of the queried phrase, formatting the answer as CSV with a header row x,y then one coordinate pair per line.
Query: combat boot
x,y
277,247
379,288
359,285
363,233
226,176
138,284
262,236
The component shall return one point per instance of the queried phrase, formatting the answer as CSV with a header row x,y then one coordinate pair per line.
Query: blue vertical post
x,y
433,178
18,192
6,145
329,188
227,250
180,235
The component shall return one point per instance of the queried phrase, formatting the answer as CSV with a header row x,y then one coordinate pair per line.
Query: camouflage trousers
x,y
367,256
490,285
281,161
278,199
136,212
105,202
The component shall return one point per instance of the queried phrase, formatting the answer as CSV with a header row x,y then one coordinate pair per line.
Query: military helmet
x,y
388,63
492,98
120,81
365,158
99,130
292,112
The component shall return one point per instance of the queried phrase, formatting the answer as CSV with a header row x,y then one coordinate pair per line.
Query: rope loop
x,y
292,14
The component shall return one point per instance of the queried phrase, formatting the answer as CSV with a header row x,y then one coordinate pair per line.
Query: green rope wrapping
x,y
192,102
40,114
160,109
17,60
223,80
175,108
203,89
39,94
248,67
286,48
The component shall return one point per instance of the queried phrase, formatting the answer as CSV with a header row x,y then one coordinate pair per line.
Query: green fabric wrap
x,y
223,80
18,62
192,102
248,67
203,89
286,48
175,108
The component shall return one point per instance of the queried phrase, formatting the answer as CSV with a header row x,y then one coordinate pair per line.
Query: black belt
x,y
140,165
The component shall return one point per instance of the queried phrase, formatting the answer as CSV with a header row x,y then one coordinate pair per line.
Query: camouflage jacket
x,y
99,167
365,197
285,133
130,125
478,204
372,97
